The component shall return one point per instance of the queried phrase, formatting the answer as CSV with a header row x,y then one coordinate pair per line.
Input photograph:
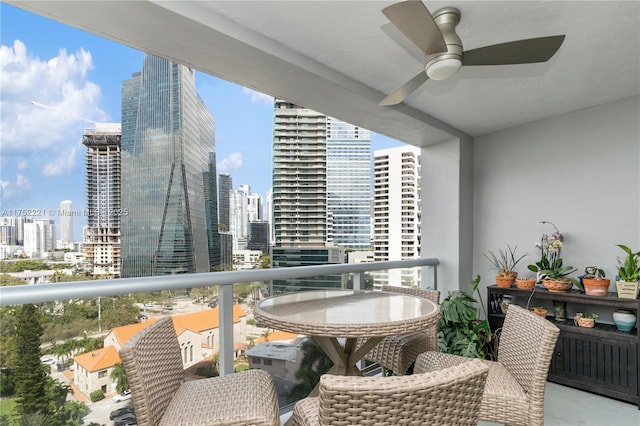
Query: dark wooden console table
x,y
602,359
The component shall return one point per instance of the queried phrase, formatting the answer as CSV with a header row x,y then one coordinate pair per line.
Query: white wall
x,y
447,212
580,171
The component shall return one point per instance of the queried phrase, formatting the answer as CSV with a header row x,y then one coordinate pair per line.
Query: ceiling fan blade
x,y
515,52
405,90
414,20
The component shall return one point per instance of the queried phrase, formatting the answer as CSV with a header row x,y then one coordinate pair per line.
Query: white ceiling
x,y
342,57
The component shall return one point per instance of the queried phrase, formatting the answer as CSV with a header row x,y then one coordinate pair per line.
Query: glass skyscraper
x,y
348,184
168,173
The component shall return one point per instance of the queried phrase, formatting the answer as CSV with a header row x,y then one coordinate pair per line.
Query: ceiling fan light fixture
x,y
443,69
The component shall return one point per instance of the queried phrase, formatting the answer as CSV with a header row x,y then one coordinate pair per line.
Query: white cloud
x,y
231,162
22,165
61,83
14,190
63,164
257,97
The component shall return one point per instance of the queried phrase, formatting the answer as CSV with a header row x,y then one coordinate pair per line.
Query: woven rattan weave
x,y
451,396
514,393
153,364
397,353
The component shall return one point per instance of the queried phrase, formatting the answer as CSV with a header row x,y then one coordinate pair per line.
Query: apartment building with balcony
x,y
396,212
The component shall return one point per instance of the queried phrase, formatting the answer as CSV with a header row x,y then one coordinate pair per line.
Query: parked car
x,y
49,361
126,421
122,396
121,412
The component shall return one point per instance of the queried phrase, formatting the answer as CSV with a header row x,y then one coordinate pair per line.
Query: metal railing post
x,y
357,277
226,329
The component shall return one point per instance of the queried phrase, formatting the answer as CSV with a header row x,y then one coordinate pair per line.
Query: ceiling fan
x,y
435,34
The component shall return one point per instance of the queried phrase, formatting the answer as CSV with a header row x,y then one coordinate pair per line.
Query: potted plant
x,y
526,283
504,263
584,320
550,269
539,310
594,281
629,273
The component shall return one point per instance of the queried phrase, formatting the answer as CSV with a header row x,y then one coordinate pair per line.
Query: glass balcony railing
x,y
354,276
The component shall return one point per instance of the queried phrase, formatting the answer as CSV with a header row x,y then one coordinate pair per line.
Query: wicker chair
x,y
397,353
451,396
514,393
153,363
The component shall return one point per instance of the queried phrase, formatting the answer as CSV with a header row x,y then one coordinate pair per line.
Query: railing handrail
x,y
36,293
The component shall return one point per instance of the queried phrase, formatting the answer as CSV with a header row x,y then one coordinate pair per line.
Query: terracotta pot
x,y
596,286
540,311
525,283
557,286
503,281
584,322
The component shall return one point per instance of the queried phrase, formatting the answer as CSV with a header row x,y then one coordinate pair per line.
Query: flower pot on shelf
x,y
582,321
504,281
627,290
525,283
596,286
625,320
586,322
557,286
539,310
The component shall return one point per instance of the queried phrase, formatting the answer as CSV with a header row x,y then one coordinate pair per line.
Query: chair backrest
x,y
433,295
526,346
153,363
449,396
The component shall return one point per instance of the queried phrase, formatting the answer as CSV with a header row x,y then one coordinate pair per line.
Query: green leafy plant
x,y
550,265
460,331
629,270
587,316
594,272
505,261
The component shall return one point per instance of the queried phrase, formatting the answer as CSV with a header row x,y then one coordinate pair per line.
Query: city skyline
x,y
79,74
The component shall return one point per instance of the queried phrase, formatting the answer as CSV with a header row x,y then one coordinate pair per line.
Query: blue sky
x,y
80,74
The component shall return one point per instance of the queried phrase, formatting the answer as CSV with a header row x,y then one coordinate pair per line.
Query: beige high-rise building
x,y
104,212
396,212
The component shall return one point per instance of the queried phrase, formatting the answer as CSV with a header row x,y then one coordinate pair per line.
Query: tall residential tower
x,y
66,221
101,244
168,173
321,191
396,217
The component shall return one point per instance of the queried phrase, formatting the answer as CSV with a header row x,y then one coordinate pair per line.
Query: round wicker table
x,y
328,316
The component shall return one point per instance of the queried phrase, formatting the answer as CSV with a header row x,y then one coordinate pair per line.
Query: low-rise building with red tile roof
x,y
198,336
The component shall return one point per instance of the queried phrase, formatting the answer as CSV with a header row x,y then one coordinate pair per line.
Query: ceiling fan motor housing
x,y
441,65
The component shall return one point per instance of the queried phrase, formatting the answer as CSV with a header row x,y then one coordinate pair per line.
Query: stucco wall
x,y
580,171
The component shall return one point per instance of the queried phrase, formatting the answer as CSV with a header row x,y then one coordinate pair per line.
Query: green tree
x,y
119,376
7,280
23,265
8,354
71,413
35,419
30,374
314,364
265,262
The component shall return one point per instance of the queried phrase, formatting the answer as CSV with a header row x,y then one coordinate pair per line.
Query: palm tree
x,y
314,364
119,376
